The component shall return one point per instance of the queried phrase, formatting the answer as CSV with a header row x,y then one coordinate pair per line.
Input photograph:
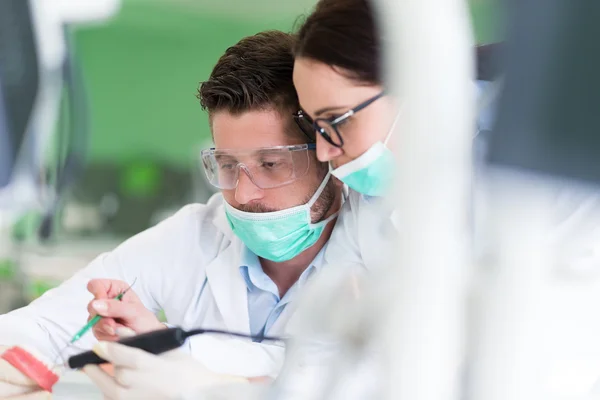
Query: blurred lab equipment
x,y
36,65
40,158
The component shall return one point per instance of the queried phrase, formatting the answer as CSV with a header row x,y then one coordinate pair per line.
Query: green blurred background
x,y
142,70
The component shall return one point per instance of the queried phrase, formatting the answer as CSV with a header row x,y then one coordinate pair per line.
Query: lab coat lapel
x,y
227,284
279,327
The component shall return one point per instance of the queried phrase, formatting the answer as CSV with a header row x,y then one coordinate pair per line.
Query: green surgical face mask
x,y
372,173
280,235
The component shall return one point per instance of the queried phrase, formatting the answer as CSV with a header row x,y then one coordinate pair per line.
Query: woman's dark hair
x,y
343,34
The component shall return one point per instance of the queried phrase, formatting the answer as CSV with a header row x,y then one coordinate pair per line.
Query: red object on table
x,y
31,367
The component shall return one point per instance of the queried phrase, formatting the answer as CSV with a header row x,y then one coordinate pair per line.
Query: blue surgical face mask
x,y
372,173
280,235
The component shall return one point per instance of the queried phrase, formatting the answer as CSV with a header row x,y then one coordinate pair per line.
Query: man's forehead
x,y
257,151
252,130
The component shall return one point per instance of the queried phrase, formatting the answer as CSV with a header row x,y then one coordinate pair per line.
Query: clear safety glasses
x,y
267,167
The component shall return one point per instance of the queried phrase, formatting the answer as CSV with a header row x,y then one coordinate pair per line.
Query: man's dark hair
x,y
254,74
343,34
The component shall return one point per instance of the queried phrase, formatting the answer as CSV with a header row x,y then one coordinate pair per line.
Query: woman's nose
x,y
326,151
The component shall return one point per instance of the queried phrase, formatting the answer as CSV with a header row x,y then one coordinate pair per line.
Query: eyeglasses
x,y
328,128
267,167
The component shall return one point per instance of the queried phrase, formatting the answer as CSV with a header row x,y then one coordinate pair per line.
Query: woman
x,y
338,75
339,80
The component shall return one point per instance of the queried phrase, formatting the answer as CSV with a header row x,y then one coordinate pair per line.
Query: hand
x,y
141,375
129,312
14,383
39,395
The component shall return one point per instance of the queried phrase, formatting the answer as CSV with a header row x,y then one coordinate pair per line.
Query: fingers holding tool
x,y
114,307
106,330
107,288
124,311
115,317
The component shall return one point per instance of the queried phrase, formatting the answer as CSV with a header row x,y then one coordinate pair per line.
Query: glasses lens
x,y
221,170
273,168
329,133
268,168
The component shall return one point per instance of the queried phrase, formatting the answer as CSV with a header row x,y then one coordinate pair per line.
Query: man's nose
x,y
246,190
325,151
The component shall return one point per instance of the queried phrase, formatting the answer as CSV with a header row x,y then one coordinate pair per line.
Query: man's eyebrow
x,y
332,108
249,152
224,156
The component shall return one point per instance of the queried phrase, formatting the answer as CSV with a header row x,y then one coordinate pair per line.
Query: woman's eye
x,y
341,122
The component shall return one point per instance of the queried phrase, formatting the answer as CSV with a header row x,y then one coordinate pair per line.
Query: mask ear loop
x,y
316,196
320,189
392,129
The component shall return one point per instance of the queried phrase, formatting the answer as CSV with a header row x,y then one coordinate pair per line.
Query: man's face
x,y
260,129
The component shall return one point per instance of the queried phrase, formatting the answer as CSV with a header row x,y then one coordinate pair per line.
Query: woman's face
x,y
326,93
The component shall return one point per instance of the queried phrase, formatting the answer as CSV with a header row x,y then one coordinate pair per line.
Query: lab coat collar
x,y
229,288
222,224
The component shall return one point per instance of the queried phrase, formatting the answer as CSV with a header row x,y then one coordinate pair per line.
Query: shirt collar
x,y
255,277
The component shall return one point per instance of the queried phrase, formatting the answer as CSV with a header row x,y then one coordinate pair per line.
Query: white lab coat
x,y
364,233
188,266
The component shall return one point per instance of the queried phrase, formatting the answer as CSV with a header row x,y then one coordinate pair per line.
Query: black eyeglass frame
x,y
333,122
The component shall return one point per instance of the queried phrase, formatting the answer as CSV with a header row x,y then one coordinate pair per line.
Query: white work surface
x,y
75,386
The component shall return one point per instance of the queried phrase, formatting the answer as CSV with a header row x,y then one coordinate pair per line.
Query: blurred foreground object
x,y
548,114
433,71
535,323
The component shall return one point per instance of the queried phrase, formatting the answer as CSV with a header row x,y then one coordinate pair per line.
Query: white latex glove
x,y
141,375
39,395
14,383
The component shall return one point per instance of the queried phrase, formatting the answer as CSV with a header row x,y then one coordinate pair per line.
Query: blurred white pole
x,y
431,67
509,309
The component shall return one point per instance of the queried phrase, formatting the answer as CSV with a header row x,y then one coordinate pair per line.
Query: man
x,y
234,263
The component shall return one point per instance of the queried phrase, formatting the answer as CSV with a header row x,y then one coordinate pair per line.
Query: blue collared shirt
x,y
264,304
